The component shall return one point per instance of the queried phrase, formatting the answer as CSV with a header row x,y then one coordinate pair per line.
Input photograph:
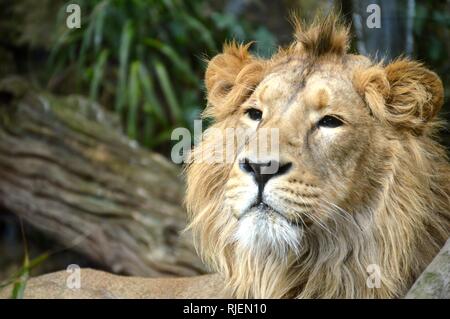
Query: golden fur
x,y
374,191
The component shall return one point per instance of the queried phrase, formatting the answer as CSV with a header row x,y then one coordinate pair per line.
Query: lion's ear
x,y
404,93
230,78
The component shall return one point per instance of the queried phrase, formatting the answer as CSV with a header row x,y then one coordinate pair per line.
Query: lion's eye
x,y
329,121
254,114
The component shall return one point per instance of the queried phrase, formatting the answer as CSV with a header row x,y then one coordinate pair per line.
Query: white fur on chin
x,y
262,233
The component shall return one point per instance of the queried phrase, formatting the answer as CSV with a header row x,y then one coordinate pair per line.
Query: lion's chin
x,y
269,233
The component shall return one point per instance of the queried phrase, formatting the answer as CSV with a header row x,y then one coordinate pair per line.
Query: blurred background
x,y
112,91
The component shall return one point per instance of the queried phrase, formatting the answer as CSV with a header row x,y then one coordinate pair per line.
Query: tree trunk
x,y
66,169
394,37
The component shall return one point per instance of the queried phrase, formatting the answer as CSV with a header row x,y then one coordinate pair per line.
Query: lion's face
x,y
333,170
319,169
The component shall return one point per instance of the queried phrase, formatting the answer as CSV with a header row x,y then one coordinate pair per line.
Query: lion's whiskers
x,y
334,210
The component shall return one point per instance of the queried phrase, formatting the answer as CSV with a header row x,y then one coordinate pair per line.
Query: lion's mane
x,y
406,225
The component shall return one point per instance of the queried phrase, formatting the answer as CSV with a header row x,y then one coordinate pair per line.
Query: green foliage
x,y
20,278
144,59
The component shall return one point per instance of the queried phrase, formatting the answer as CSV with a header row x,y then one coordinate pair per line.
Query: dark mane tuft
x,y
326,35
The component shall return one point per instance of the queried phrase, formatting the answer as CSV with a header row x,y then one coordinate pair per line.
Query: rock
x,y
434,283
96,284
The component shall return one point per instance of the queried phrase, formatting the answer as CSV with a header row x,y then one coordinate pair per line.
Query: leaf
x,y
173,56
204,32
20,278
102,9
85,42
20,284
124,52
149,128
134,95
152,105
162,137
168,91
98,74
64,36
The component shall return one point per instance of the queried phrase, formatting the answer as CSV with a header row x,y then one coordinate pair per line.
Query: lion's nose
x,y
263,171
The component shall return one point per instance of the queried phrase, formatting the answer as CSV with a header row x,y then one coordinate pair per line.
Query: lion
x,y
353,203
360,202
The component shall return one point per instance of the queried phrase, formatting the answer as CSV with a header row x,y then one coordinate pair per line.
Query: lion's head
x,y
360,189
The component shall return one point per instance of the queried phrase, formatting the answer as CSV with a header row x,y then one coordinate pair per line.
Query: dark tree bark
x,y
66,169
395,35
